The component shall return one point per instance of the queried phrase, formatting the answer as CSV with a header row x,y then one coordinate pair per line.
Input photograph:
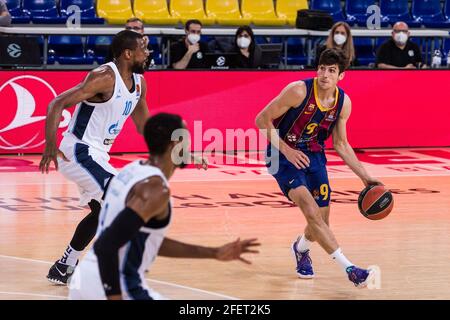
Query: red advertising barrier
x,y
390,108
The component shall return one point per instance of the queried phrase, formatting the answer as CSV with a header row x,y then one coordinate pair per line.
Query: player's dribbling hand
x,y
372,182
51,155
233,250
296,157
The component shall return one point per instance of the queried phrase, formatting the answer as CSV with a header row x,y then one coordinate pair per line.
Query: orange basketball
x,y
375,202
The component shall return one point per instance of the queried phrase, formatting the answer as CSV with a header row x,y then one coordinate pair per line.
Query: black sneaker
x,y
60,273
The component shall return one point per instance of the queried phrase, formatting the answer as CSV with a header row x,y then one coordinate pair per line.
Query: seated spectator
x,y
399,52
249,53
136,25
189,52
340,37
5,17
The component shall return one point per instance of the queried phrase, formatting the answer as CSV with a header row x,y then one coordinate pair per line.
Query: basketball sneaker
x,y
304,262
60,273
359,277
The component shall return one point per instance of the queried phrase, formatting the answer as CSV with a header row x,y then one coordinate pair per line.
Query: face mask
x,y
193,38
243,42
401,38
339,39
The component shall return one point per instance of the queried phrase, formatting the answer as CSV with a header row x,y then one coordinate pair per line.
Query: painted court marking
x,y
151,280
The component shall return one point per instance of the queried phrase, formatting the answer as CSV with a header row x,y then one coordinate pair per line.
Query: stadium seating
x,y
190,9
225,12
67,50
154,12
16,11
87,11
296,51
356,11
331,6
393,11
114,11
43,11
97,47
261,13
429,13
364,50
287,9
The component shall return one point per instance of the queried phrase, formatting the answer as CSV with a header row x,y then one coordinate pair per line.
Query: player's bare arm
x,y
343,147
140,113
147,199
97,84
230,251
290,97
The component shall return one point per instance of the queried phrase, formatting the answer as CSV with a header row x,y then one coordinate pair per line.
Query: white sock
x,y
341,259
303,244
70,256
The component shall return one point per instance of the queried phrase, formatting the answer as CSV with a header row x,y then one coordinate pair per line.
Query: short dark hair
x,y
158,131
125,39
135,19
249,30
334,56
192,21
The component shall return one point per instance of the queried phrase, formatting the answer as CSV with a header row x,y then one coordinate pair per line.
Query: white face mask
x,y
401,38
193,38
243,42
339,39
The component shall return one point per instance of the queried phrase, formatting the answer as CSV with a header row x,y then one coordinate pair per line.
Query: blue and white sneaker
x,y
359,277
304,262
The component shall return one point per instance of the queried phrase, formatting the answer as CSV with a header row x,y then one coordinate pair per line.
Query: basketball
x,y
375,202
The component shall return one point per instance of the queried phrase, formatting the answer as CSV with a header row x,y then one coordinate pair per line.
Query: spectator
x,y
399,52
189,52
340,37
5,17
249,53
136,25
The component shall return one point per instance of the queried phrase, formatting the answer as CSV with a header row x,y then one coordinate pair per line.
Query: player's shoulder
x,y
297,88
102,73
153,188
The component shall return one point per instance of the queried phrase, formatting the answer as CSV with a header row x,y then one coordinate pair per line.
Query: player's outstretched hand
x,y
50,155
200,162
234,250
296,157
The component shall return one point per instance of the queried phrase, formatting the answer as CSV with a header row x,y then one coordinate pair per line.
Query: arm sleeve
x,y
124,227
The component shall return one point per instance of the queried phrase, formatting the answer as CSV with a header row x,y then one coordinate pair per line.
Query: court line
x,y
192,289
13,293
156,281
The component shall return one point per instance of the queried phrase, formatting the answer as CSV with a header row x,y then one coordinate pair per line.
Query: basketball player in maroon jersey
x,y
305,114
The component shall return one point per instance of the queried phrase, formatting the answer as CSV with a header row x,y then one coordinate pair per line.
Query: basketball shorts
x,y
86,284
314,177
88,168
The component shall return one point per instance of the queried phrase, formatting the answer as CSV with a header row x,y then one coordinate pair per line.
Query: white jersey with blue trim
x,y
98,124
136,256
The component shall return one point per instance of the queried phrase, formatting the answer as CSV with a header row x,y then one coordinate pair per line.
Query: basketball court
x,y
38,214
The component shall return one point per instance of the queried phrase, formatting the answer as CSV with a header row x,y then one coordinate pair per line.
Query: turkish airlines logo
x,y
25,100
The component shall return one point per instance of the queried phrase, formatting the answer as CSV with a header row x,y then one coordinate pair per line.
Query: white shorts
x,y
88,168
86,284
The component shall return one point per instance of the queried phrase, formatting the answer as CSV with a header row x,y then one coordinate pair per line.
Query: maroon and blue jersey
x,y
307,127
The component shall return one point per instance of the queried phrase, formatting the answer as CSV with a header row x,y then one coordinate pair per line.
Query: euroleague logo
x,y
24,100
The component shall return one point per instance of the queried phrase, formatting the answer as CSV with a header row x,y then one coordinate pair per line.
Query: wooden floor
x,y
410,247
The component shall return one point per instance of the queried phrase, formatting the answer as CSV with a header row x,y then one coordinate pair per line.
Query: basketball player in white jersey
x,y
105,99
134,221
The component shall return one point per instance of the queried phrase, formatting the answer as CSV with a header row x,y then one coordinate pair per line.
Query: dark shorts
x,y
314,178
